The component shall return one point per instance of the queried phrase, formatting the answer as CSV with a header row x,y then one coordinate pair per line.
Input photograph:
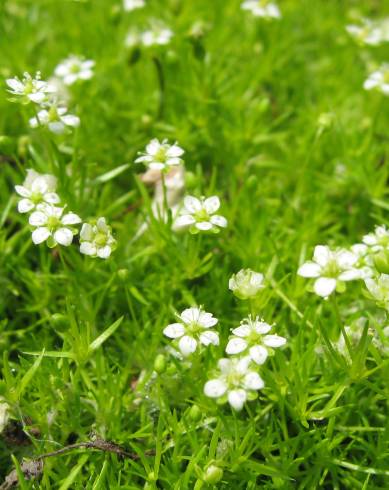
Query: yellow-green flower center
x,y
53,222
101,239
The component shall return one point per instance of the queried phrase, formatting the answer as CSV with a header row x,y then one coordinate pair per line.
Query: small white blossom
x,y
378,240
235,384
36,189
370,32
379,80
251,338
53,225
55,118
246,283
130,5
73,69
157,35
193,329
199,215
29,89
330,268
262,8
161,155
379,289
96,239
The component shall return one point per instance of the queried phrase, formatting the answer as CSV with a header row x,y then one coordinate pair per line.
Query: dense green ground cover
x,y
274,120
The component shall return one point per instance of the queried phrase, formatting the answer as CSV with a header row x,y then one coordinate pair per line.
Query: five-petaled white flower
x,y
55,118
246,283
161,155
96,239
236,382
370,32
379,289
199,215
378,240
262,8
29,89
37,188
379,80
251,339
74,68
330,268
53,225
193,329
129,5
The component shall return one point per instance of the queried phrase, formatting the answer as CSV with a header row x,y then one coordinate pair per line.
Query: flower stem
x,y
161,83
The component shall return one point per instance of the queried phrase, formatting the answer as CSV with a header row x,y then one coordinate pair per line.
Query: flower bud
x,y
194,413
60,322
123,274
381,262
213,474
160,364
246,283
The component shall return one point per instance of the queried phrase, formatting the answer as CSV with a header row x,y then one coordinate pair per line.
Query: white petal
x,y
236,345
321,255
63,236
71,120
370,83
40,235
274,340
258,354
51,197
174,330
22,191
86,232
242,331
209,337
219,221
350,275
88,248
25,206
309,269
56,127
104,252
15,85
175,151
70,219
253,381
204,225
324,286
262,327
156,166
236,399
187,345
215,388
224,365
183,221
153,147
212,204
38,219
190,315
192,204
206,320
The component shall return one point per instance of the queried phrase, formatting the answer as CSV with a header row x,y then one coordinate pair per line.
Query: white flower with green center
x,y
251,338
73,69
193,329
161,155
379,289
158,35
29,89
370,32
36,189
377,241
56,119
236,382
246,283
262,8
96,239
53,225
130,5
379,80
330,268
200,215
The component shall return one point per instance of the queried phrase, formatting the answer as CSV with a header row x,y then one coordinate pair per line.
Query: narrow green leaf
x,y
105,335
111,174
25,381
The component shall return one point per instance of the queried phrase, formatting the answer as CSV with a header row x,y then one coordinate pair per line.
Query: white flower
x,y
379,80
251,338
96,239
236,382
129,5
192,330
262,8
4,407
55,118
29,89
246,283
370,32
74,68
53,225
199,215
157,35
161,155
36,189
330,268
379,289
378,240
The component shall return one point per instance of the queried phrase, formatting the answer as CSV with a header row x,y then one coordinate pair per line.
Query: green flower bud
x,y
381,262
123,274
194,413
246,283
213,474
160,364
60,322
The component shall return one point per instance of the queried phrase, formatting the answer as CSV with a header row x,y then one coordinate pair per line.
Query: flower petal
x,y
88,248
190,315
40,235
22,191
236,399
274,340
184,220
324,286
206,320
63,236
321,254
253,381
192,204
209,337
187,345
104,252
70,219
258,354
204,225
219,221
38,219
309,269
25,206
242,331
212,204
215,388
174,330
236,345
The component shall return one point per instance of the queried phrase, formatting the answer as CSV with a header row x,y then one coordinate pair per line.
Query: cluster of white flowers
x,y
370,32
262,8
52,112
378,80
157,35
130,5
53,224
195,214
